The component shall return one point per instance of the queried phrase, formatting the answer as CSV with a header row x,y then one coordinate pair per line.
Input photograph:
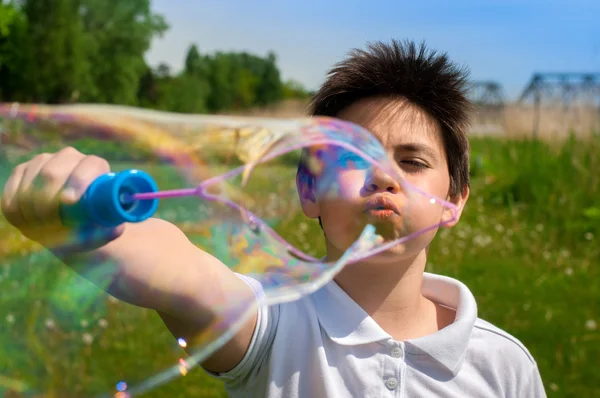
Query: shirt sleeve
x,y
254,363
534,387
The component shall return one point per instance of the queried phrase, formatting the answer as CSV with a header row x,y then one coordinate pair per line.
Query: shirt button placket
x,y
394,361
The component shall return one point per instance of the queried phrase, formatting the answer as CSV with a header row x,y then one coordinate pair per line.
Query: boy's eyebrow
x,y
417,147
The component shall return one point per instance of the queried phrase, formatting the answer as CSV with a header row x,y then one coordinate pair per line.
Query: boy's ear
x,y
308,196
460,201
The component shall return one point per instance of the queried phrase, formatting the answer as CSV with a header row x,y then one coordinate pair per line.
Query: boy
x,y
383,327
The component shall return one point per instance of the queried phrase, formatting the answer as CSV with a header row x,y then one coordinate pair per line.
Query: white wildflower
x,y
565,253
87,338
591,324
10,318
546,254
482,240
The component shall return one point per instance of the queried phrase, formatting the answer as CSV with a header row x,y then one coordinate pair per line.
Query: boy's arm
x,y
152,264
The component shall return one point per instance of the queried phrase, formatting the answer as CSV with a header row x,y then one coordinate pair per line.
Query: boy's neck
x,y
391,294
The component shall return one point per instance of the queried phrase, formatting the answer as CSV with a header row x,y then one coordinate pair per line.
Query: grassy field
x,y
527,246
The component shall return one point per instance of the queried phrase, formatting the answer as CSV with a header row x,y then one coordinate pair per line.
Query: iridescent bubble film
x,y
247,191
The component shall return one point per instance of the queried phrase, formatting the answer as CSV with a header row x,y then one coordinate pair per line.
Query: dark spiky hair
x,y
403,70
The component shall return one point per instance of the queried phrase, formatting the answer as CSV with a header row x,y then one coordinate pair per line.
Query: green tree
x,y
246,84
52,50
13,28
8,13
269,88
192,59
163,71
118,34
195,64
222,89
184,93
148,89
194,85
93,51
293,89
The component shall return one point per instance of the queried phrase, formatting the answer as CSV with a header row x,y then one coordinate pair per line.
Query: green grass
x,y
527,246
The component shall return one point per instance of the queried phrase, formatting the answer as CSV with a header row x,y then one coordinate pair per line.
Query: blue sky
x,y
501,40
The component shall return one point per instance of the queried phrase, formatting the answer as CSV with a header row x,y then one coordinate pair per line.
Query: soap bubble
x,y
260,195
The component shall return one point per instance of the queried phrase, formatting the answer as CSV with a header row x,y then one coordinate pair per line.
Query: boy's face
x,y
414,142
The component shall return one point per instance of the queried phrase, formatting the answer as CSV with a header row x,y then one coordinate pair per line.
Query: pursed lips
x,y
381,207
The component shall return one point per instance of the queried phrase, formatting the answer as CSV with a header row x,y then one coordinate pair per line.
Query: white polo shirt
x,y
325,345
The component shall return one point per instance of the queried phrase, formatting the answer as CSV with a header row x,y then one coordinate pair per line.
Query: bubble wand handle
x,y
109,201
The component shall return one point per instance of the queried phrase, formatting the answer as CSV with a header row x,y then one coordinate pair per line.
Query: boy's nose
x,y
378,181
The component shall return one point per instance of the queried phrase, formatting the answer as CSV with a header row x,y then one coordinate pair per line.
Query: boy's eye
x,y
414,164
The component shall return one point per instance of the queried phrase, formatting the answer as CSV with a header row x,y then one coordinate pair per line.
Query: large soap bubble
x,y
246,190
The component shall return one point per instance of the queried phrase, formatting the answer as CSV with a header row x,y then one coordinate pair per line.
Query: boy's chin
x,y
392,255
398,252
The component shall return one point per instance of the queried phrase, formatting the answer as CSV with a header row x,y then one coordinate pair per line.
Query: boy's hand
x,y
35,190
152,263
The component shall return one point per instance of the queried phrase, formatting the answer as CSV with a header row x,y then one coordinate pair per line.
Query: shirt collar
x,y
346,323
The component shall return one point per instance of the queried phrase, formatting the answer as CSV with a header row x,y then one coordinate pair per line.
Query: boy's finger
x,y
53,177
88,169
10,199
27,189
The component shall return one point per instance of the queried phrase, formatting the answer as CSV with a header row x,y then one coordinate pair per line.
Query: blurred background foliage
x,y
92,51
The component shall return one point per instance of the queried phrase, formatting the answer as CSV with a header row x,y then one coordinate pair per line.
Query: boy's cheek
x,y
341,226
344,187
420,213
436,183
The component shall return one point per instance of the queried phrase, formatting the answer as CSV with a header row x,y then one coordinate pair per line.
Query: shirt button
x,y
396,352
391,383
